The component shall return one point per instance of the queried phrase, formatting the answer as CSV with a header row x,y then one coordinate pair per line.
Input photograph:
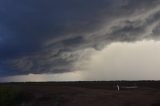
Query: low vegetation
x,y
9,95
94,93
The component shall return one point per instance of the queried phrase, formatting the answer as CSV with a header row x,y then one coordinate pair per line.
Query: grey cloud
x,y
156,30
44,36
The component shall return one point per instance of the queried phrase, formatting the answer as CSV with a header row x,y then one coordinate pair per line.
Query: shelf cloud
x,y
49,36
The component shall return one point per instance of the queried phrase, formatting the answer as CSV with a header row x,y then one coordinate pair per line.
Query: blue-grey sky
x,y
57,36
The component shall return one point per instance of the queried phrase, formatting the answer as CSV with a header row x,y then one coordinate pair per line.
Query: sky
x,y
72,40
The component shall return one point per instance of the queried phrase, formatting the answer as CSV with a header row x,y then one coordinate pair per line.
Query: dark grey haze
x,y
44,36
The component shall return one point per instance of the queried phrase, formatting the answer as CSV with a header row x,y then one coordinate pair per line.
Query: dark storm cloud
x,y
44,36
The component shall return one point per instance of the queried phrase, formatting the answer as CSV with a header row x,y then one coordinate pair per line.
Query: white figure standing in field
x,y
117,87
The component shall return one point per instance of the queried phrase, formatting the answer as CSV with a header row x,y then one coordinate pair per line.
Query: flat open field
x,y
101,93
